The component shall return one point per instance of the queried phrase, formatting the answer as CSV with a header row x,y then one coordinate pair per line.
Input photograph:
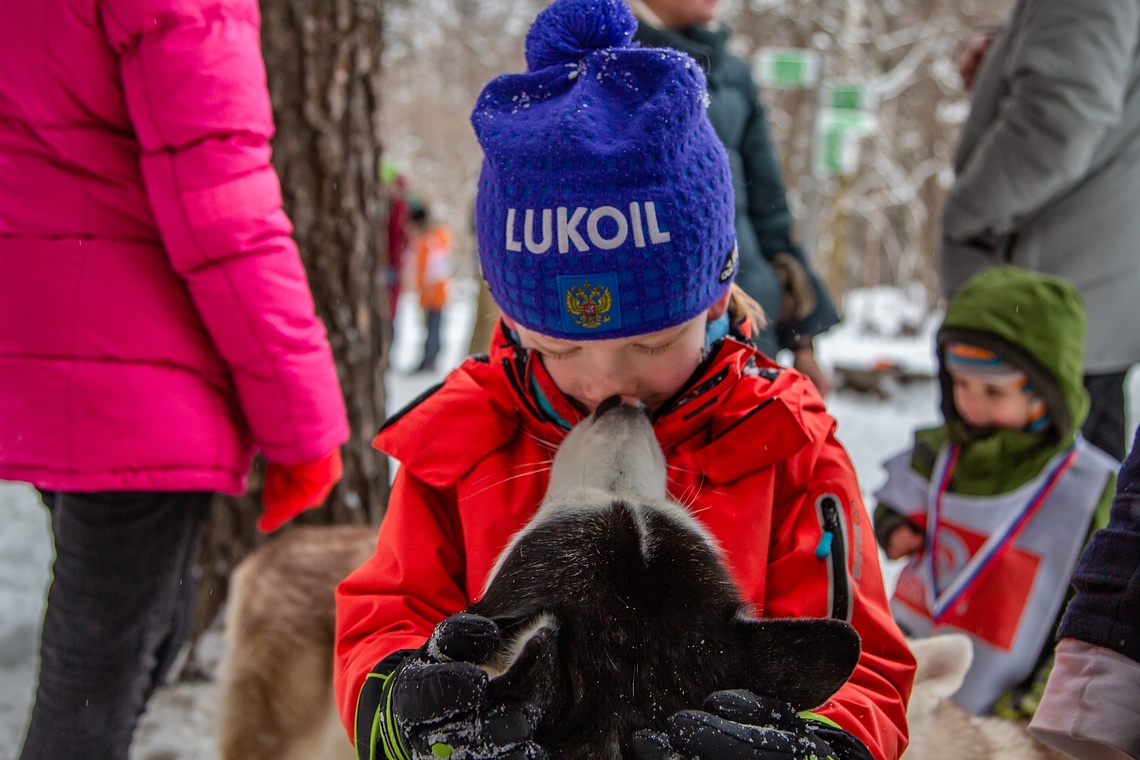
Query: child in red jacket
x,y
606,235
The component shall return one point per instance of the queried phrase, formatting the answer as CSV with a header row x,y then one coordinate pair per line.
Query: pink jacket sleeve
x,y
195,87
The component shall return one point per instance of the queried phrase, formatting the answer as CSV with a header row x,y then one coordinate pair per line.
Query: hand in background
x,y
971,54
804,360
904,541
798,302
290,489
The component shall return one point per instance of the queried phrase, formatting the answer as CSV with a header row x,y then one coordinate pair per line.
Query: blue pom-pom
x,y
566,30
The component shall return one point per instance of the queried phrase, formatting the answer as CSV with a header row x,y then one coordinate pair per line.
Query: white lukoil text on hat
x,y
566,230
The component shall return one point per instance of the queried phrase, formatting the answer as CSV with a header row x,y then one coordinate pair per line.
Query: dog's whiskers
x,y
525,464
542,467
527,433
693,491
690,504
515,467
684,498
520,428
689,495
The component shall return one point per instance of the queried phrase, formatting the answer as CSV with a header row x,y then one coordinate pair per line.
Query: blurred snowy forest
x,y
874,225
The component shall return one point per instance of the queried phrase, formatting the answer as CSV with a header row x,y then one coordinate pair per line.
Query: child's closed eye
x,y
653,350
547,353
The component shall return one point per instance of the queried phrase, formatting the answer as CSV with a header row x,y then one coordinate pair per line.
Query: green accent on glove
x,y
372,738
394,748
809,715
441,750
375,727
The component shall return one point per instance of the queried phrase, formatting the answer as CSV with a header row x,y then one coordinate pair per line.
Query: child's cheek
x,y
561,373
667,377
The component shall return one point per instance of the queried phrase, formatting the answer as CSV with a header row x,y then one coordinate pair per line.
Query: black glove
x,y
738,725
435,703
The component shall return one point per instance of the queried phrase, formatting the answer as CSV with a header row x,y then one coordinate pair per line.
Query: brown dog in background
x,y
940,729
276,677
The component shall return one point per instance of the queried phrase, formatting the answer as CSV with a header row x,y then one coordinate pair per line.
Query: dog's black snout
x,y
613,402
608,405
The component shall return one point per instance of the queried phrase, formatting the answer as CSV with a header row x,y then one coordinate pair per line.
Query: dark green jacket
x,y
763,222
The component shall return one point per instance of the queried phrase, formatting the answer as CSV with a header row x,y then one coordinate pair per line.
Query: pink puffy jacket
x,y
156,324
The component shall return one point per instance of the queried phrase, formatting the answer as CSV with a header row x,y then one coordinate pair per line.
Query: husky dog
x,y
942,730
617,611
614,607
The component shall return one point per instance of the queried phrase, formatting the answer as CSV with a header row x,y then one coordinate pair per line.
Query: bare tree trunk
x,y
323,63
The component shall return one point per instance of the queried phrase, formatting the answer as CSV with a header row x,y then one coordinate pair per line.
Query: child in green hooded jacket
x,y
993,507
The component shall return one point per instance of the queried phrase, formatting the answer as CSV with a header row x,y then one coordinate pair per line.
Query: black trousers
x,y
119,609
432,341
1105,426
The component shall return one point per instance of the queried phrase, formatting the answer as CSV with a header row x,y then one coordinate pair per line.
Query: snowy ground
x,y
178,724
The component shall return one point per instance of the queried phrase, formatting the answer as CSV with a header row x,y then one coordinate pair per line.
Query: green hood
x,y
1035,322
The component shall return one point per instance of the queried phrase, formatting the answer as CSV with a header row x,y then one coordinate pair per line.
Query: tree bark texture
x,y
323,59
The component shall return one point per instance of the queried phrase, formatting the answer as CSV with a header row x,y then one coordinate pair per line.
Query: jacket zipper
x,y
832,548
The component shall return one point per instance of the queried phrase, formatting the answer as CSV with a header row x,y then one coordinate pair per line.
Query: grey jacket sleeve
x,y
1067,63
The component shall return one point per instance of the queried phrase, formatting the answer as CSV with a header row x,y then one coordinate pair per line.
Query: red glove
x,y
290,489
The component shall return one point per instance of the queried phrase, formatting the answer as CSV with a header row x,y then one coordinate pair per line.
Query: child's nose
x,y
600,388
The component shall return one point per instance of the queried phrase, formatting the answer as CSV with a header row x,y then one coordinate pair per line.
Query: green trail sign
x,y
787,68
846,115
836,150
848,96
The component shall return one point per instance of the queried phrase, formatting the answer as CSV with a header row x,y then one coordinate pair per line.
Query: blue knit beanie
x,y
605,205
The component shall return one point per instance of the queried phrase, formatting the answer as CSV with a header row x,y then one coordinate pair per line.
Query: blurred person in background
x,y
395,187
1048,168
773,267
991,508
431,245
156,329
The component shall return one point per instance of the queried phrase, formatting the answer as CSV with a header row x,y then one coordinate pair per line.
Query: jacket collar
x,y
714,425
706,44
734,400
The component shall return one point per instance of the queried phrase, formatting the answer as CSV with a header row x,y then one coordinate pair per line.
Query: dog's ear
x,y
533,674
943,661
801,661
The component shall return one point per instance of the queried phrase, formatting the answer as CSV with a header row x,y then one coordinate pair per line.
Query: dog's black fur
x,y
617,611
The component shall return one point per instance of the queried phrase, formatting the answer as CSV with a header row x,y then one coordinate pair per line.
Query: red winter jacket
x,y
754,453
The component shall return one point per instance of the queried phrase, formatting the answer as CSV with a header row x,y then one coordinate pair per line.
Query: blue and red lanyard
x,y
941,602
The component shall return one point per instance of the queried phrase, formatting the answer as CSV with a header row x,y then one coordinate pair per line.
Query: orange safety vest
x,y
433,266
